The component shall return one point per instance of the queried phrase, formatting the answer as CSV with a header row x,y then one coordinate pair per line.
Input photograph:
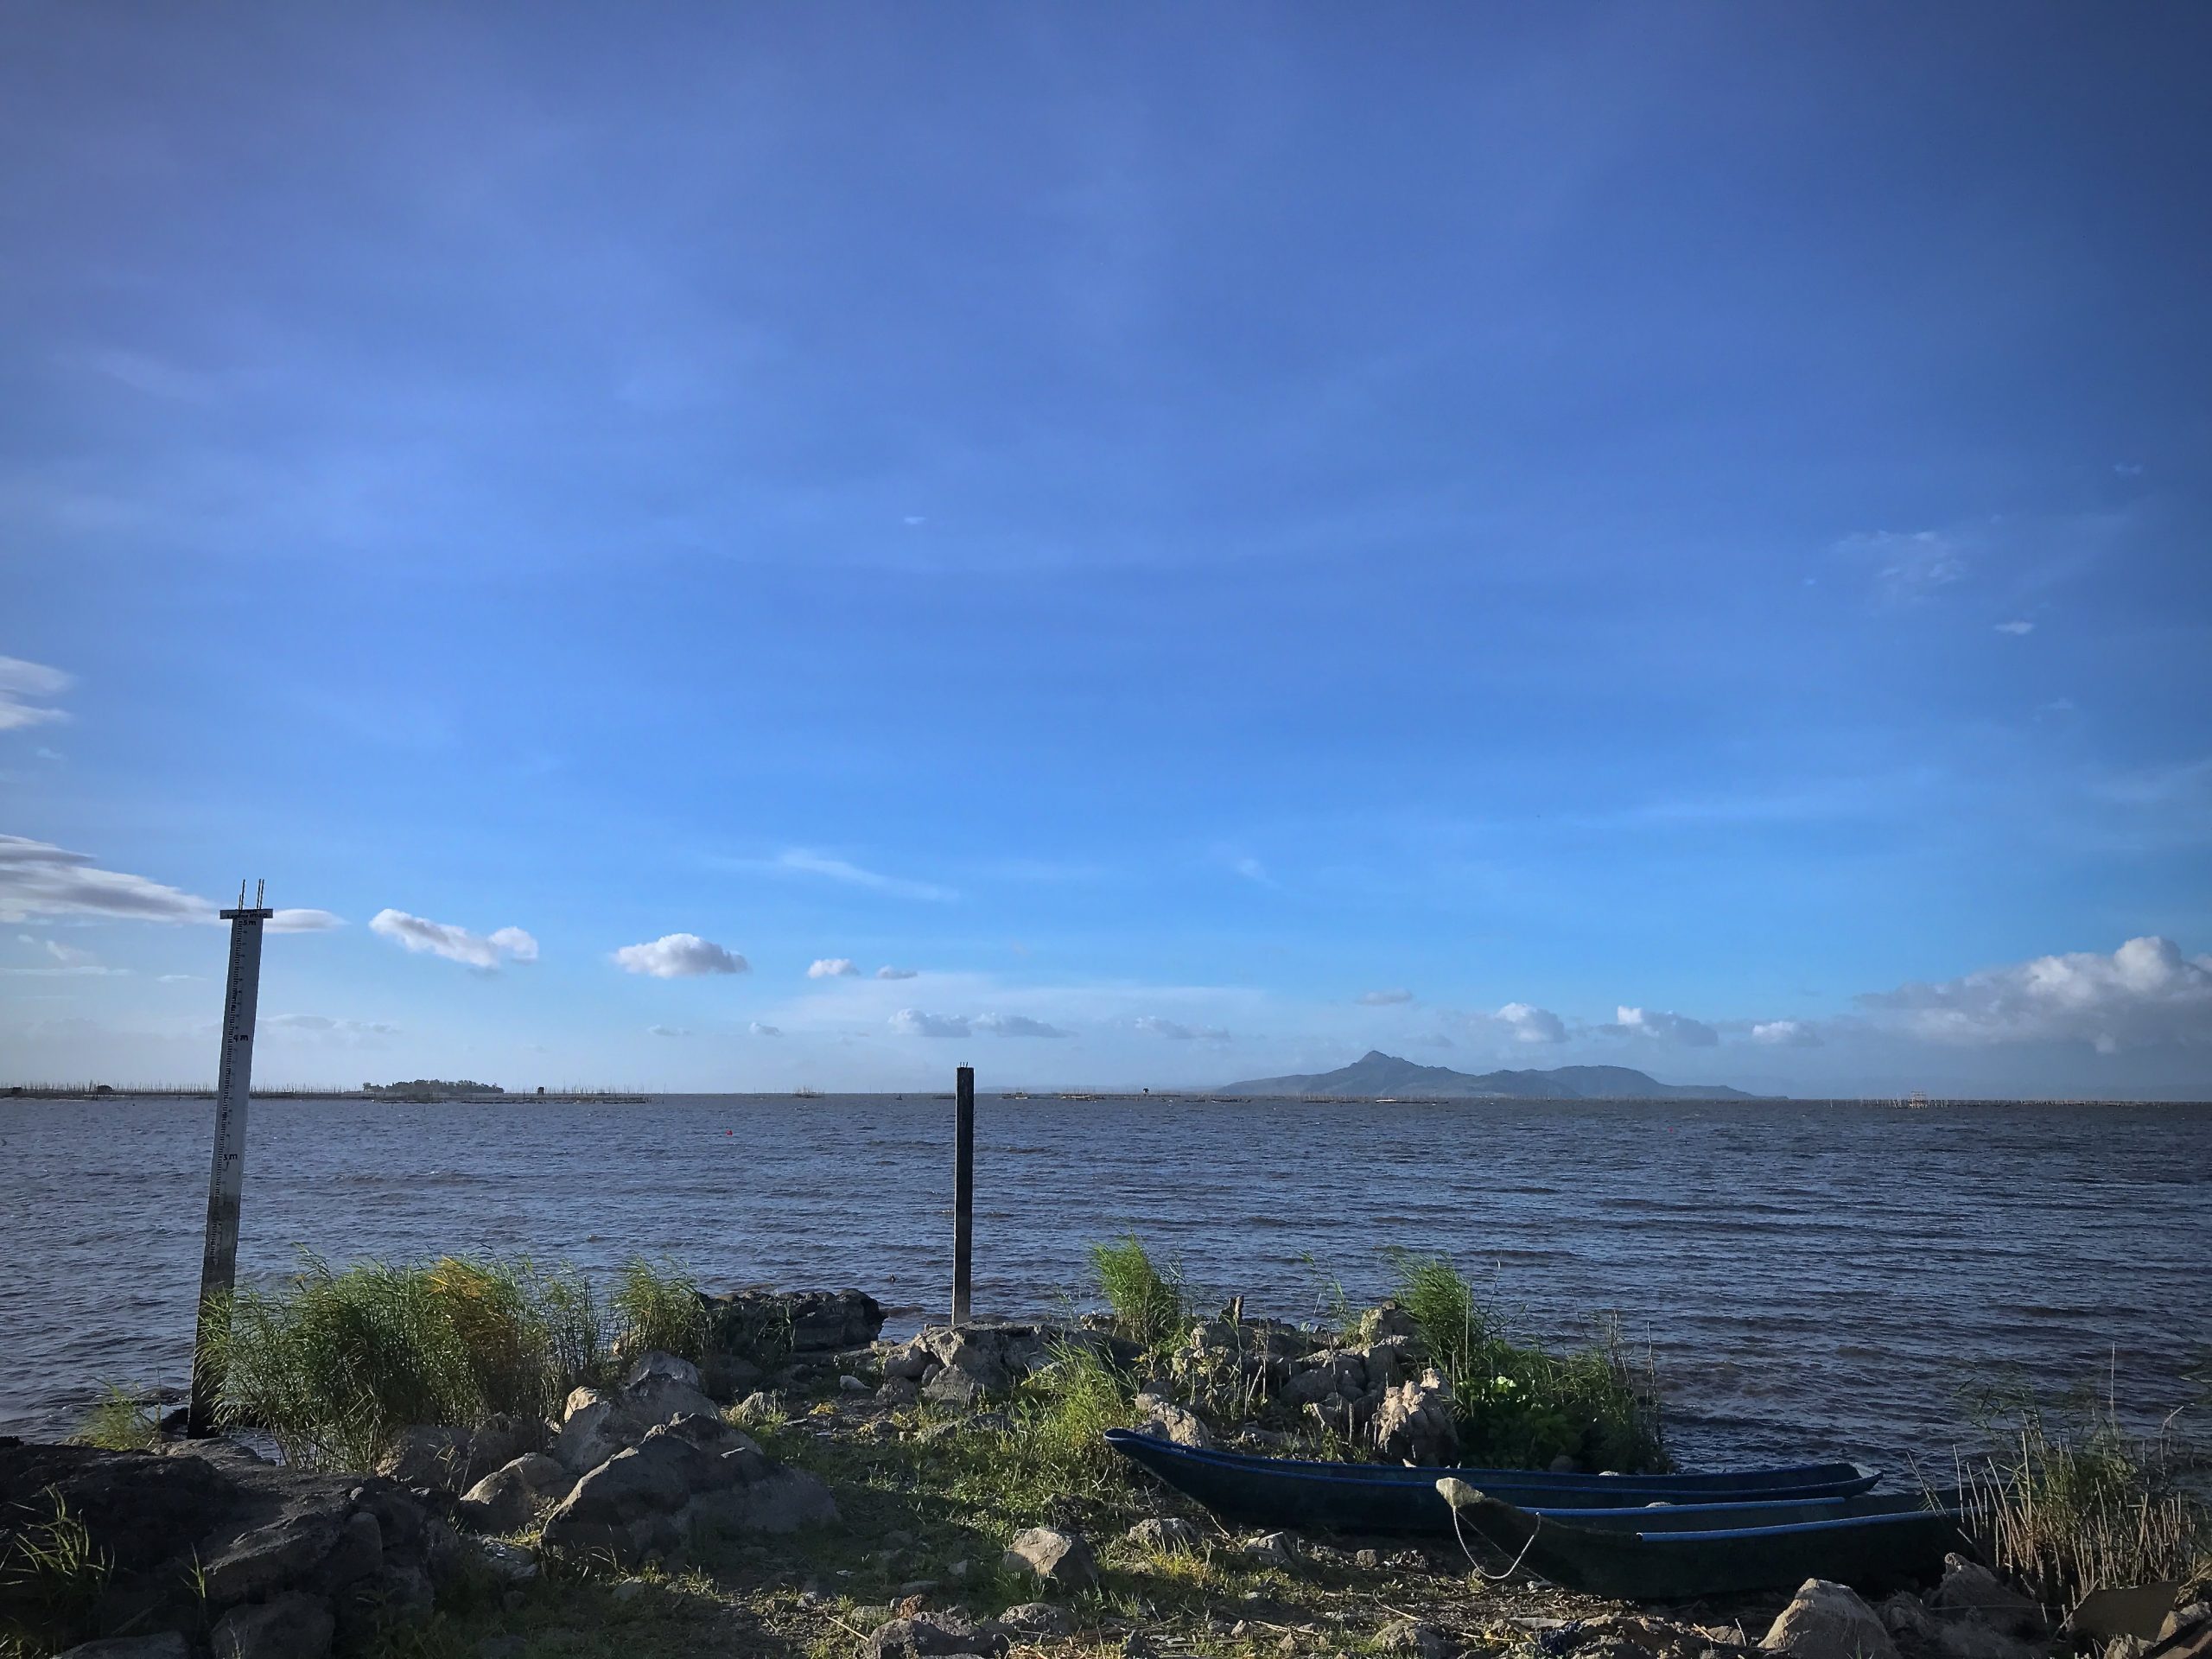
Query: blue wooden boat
x,y
1673,1562
1387,1498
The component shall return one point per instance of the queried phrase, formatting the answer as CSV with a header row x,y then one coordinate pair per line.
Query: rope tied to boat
x,y
1458,1495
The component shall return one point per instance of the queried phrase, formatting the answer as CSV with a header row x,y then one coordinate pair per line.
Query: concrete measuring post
x,y
963,1189
219,1265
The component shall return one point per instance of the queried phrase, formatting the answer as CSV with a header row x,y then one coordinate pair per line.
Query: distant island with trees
x,y
1376,1075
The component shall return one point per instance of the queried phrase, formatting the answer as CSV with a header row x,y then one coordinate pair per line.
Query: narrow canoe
x,y
1382,1498
1871,1553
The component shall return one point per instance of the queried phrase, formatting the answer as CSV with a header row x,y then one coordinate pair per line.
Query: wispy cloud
x,y
680,956
913,1022
832,968
667,1030
304,921
26,693
800,860
1016,1025
323,1025
1252,870
2016,628
1664,1027
760,1030
1178,1031
39,879
1785,1033
1907,565
888,972
486,951
1384,999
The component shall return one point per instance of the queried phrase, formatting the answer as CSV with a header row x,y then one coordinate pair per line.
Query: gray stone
x,y
512,1495
1413,1423
898,1391
847,1383
1167,1420
1414,1636
1036,1618
1970,1587
255,1563
1062,1559
162,1644
1163,1532
1277,1549
633,1506
660,1397
776,1499
934,1636
508,1563
1827,1620
909,1361
656,1363
288,1627
593,1429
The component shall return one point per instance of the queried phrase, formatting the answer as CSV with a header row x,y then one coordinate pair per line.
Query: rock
x,y
1164,1533
163,1644
592,1430
1965,1635
1902,1615
779,1500
973,1367
450,1460
909,1362
761,1406
1367,1557
1166,1421
289,1627
1061,1560
1277,1549
1266,1439
661,1397
656,1363
1827,1620
1343,1375
847,1383
725,1377
932,1635
1035,1618
508,1563
1970,1587
1388,1362
1415,1637
898,1391
2124,1610
770,1326
633,1506
258,1561
1387,1319
1413,1423
512,1495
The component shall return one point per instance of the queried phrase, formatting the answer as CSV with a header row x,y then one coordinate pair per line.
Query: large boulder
x,y
769,1327
1166,1421
1826,1620
1414,1422
643,1503
290,1626
934,1636
659,1389
1062,1559
208,1529
1970,1588
452,1459
512,1495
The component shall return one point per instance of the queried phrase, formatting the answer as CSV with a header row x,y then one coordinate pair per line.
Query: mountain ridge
x,y
1375,1074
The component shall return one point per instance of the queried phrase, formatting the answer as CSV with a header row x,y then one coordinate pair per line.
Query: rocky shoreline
x,y
805,1487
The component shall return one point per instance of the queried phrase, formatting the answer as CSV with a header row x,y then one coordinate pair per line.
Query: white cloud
x,y
888,972
1532,1025
913,1022
760,1030
25,689
321,1025
68,955
2016,628
1667,1028
304,921
2144,993
455,944
1383,999
1786,1033
1252,870
39,879
1178,1032
666,1030
1907,565
801,861
832,968
1016,1025
680,956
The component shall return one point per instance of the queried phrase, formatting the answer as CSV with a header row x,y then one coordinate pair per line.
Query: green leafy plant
x,y
122,1420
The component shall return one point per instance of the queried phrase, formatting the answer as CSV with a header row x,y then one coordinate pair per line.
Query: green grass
x,y
2071,1502
1150,1305
122,1420
335,1362
50,1575
1520,1405
658,1306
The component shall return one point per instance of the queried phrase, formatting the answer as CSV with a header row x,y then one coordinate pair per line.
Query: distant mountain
x,y
1375,1073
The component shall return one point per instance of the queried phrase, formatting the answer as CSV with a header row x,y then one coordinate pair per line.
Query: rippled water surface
x,y
1811,1278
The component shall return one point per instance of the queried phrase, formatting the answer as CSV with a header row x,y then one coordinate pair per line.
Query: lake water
x,y
1812,1279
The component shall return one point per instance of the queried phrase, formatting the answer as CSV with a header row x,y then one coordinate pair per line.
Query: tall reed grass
x,y
2071,1502
335,1362
1150,1304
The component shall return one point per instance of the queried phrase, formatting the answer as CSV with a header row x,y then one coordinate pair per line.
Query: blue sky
x,y
1172,526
